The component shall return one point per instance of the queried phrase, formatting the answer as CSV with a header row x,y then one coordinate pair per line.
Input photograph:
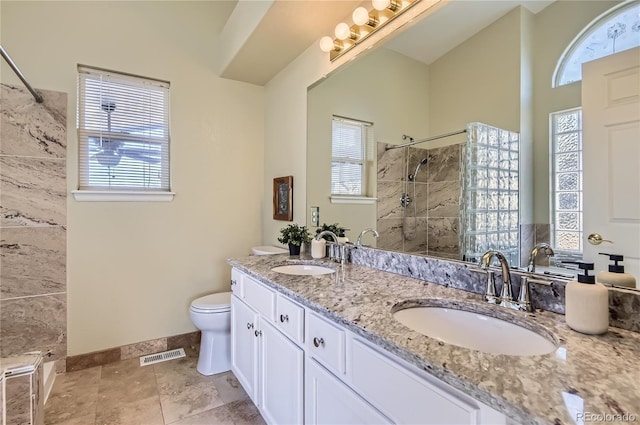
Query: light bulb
x,y
326,44
380,4
342,31
360,16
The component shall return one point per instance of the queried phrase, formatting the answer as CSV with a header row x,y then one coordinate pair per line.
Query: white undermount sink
x,y
474,331
303,270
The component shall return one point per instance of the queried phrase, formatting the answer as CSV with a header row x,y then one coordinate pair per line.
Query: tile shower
x,y
33,281
466,201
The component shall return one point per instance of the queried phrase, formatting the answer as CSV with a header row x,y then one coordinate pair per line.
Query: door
x,y
329,401
244,346
282,364
611,157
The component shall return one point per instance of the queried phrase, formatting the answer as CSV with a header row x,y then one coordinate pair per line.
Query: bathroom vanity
x,y
327,349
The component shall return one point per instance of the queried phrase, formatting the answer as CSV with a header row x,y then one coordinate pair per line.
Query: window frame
x,y
366,140
87,135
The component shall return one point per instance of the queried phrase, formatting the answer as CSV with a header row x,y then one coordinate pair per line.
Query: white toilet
x,y
212,315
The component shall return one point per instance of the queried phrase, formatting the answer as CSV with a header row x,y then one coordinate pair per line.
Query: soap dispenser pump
x,y
616,275
586,302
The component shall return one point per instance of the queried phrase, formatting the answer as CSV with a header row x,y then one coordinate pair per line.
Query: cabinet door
x,y
244,346
282,365
329,401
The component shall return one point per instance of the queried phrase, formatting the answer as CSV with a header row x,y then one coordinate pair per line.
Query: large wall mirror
x,y
489,62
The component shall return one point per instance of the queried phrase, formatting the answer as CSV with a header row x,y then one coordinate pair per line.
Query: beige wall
x,y
385,88
133,268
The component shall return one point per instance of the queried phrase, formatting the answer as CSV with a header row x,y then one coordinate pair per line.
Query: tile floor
x,y
172,392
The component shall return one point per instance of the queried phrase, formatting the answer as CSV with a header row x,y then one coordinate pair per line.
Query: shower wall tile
x,y
416,240
32,261
444,164
389,194
390,163
543,233
33,129
33,191
415,156
18,400
34,323
420,198
443,235
444,199
527,242
390,234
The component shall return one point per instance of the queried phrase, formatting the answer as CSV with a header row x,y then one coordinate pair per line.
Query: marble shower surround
x,y
437,200
33,291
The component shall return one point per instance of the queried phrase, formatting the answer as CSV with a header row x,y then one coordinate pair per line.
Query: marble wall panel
x,y
527,241
443,235
32,261
443,199
32,129
33,191
390,163
444,164
18,400
390,234
34,323
389,194
415,156
416,235
420,198
543,233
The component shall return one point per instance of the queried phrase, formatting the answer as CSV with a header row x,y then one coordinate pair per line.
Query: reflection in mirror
x,y
498,73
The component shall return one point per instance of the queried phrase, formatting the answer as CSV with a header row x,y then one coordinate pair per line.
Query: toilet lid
x,y
219,301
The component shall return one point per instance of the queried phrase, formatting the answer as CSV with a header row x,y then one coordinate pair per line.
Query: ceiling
x,y
274,32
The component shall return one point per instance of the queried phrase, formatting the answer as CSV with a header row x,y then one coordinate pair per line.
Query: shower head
x,y
405,137
420,164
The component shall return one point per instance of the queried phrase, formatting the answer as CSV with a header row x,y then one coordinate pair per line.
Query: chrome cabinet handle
x,y
233,282
318,341
249,325
284,318
258,333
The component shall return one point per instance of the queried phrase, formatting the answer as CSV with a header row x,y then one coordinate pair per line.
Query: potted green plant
x,y
294,235
335,228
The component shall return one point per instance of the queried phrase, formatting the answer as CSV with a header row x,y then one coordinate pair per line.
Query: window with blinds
x,y
351,140
123,131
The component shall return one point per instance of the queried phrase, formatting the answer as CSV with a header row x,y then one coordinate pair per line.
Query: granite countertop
x,y
594,375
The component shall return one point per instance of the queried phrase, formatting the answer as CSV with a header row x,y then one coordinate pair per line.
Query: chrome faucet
x,y
506,299
545,248
359,240
334,254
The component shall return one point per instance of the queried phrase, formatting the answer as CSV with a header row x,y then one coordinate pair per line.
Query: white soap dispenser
x,y
616,275
587,303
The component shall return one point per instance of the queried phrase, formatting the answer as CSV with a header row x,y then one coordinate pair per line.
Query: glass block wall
x,y
489,209
566,138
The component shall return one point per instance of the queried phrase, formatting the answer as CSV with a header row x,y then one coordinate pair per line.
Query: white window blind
x,y
123,131
351,140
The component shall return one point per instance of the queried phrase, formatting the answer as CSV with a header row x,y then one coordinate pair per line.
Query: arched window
x,y
616,30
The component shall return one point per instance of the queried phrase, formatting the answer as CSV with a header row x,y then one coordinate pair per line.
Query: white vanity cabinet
x,y
267,363
300,367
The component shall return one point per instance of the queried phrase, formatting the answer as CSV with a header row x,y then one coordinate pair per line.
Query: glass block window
x,y
490,204
351,141
123,131
614,31
566,189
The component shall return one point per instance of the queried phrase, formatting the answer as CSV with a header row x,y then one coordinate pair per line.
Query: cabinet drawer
x,y
290,318
405,397
236,282
259,297
326,343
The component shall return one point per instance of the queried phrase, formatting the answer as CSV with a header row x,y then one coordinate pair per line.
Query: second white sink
x,y
474,331
303,270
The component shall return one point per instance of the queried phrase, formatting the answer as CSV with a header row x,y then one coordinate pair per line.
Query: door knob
x,y
596,239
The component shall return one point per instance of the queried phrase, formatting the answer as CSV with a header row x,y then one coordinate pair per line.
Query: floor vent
x,y
162,357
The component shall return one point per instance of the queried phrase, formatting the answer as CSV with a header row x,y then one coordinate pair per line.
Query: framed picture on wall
x,y
283,198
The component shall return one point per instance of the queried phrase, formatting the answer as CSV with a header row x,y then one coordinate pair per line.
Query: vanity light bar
x,y
365,23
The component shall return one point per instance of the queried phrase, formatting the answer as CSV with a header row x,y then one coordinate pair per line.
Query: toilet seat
x,y
212,303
